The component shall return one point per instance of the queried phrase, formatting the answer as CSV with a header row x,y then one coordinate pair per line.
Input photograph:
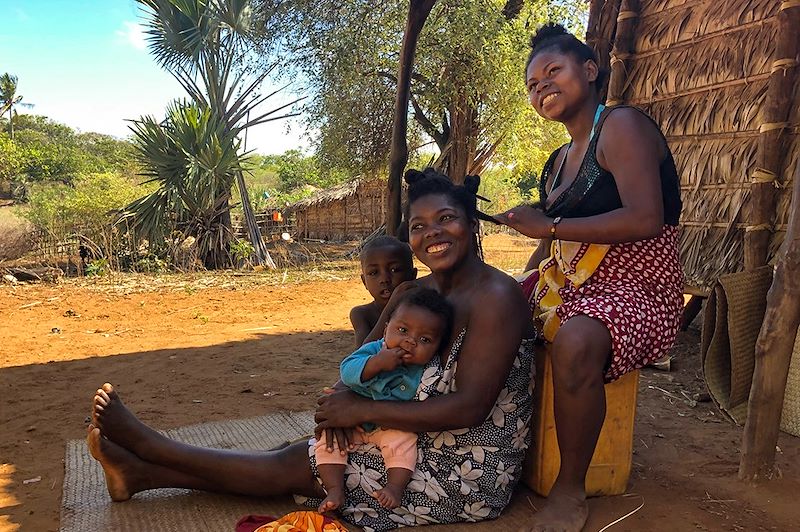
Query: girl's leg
x,y
144,459
579,354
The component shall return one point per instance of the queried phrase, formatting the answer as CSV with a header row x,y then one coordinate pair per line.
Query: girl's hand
x,y
528,220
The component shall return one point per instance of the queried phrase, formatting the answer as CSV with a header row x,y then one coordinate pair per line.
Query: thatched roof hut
x,y
348,211
704,70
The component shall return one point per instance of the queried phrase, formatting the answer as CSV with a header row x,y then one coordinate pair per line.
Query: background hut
x,y
721,80
348,211
702,70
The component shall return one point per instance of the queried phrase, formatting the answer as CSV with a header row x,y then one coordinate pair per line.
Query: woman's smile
x,y
548,98
438,248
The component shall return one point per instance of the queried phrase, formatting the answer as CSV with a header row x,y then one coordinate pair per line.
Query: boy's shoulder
x,y
368,311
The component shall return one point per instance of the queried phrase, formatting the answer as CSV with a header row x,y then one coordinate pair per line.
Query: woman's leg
x,y
579,355
136,457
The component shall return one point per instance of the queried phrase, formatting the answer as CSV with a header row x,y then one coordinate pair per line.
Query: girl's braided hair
x,y
554,36
429,181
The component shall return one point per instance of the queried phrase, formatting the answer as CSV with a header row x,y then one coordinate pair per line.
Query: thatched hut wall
x,y
349,211
701,70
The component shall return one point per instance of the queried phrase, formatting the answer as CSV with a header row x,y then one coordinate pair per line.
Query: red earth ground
x,y
189,349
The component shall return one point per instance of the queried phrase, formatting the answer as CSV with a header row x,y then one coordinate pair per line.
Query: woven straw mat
x,y
731,323
790,419
86,505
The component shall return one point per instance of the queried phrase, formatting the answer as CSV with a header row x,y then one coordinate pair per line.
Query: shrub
x,y
87,209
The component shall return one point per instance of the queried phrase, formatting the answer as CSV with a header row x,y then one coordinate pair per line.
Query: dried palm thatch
x,y
704,70
348,211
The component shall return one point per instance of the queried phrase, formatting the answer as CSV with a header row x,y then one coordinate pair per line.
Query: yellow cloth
x,y
568,261
303,521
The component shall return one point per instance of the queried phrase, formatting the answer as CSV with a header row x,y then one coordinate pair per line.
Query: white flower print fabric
x,y
461,475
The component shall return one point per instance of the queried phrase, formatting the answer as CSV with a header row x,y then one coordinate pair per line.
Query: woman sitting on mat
x,y
608,280
472,437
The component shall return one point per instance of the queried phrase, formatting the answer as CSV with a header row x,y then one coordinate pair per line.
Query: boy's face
x,y
382,269
416,330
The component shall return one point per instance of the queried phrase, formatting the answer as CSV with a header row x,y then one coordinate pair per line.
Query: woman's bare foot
x,y
334,500
119,465
119,424
389,496
563,512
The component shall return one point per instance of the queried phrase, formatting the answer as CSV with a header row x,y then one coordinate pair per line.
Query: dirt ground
x,y
189,349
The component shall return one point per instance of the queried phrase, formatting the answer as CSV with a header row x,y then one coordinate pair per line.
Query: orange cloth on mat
x,y
303,522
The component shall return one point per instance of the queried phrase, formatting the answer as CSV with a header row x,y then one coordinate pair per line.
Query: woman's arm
x,y
631,148
484,364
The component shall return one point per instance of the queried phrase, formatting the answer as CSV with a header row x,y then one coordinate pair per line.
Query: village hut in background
x,y
721,79
349,211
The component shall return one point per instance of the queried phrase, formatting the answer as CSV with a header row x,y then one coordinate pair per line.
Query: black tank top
x,y
594,190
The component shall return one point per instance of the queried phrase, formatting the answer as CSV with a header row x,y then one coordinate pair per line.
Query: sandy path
x,y
187,355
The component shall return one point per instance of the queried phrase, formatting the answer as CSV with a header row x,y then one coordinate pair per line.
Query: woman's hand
x,y
528,220
336,415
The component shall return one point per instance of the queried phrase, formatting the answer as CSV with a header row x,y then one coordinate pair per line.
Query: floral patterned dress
x,y
461,475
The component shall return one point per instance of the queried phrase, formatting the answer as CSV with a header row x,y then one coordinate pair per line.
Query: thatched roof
x,y
337,193
702,69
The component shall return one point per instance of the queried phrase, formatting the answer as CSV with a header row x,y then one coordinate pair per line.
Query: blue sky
x,y
84,63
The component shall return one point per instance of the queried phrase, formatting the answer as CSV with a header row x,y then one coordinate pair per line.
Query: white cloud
x,y
133,34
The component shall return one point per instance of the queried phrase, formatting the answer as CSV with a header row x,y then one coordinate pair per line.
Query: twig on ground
x,y
627,515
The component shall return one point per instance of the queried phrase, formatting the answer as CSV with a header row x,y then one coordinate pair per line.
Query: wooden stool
x,y
611,463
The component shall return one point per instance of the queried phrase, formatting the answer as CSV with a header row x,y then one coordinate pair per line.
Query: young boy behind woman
x,y
385,263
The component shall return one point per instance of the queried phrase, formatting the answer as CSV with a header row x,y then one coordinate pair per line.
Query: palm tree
x,y
8,99
194,155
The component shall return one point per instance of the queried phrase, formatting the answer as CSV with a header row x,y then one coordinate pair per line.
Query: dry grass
x,y
508,252
14,231
298,263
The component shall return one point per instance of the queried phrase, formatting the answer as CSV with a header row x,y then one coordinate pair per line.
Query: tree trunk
x,y
462,145
418,13
771,149
773,354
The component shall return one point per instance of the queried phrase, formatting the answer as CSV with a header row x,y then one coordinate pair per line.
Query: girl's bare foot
x,y
119,424
563,512
119,465
334,500
389,496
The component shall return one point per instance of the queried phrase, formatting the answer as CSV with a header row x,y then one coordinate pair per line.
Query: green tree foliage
x,y
296,170
87,208
9,99
192,158
468,92
207,45
45,151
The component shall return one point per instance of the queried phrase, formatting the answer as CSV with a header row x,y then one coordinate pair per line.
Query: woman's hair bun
x,y
414,176
471,183
547,32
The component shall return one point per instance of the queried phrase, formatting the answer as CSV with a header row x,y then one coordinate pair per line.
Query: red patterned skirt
x,y
637,293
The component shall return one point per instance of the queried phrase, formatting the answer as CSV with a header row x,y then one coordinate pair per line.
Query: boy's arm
x,y
359,319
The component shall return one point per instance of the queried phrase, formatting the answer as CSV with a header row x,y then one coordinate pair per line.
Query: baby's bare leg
x,y
332,476
397,478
